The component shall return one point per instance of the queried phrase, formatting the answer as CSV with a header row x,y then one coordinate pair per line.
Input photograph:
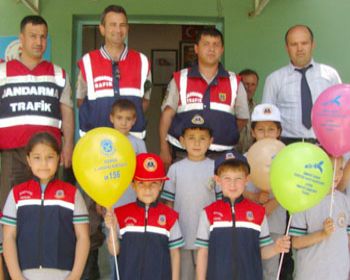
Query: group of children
x,y
210,226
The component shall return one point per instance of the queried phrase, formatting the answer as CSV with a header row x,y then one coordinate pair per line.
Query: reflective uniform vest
x,y
96,69
215,102
30,102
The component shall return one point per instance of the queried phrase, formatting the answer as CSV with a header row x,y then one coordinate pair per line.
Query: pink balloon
x,y
330,118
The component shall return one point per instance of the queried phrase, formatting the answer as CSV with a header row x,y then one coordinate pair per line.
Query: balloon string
x,y
115,254
333,187
282,255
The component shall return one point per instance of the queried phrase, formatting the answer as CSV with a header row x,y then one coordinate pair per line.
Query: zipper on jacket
x,y
142,265
40,245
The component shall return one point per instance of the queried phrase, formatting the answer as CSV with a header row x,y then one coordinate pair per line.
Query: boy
x,y
233,234
266,124
123,117
149,230
188,190
322,241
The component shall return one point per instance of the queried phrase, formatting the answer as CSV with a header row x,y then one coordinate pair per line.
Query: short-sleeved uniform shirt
x,y
189,188
277,219
329,259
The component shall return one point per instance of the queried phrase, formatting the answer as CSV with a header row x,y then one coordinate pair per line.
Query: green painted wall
x,y
250,42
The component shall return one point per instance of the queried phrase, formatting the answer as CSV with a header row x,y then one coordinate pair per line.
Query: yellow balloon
x,y
104,164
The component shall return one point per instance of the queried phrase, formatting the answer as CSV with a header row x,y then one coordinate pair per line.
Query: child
x,y
322,241
266,123
123,117
149,232
233,234
1,251
46,227
188,188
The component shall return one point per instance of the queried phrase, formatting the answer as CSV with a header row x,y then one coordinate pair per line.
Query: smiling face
x,y
147,191
43,161
33,40
299,46
232,182
114,29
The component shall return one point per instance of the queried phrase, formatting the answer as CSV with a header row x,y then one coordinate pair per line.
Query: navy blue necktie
x,y
306,98
116,77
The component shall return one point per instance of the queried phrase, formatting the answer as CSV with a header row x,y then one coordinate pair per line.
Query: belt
x,y
289,140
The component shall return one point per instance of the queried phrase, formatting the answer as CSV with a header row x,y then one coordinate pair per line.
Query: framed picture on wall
x,y
164,64
187,54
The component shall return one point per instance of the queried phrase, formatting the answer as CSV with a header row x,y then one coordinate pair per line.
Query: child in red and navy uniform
x,y
149,231
46,226
233,234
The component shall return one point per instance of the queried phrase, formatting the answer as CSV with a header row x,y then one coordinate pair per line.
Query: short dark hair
x,y
115,9
233,165
123,105
209,31
295,26
210,131
35,20
43,138
247,72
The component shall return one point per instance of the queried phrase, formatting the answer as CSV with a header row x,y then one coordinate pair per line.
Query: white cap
x,y
266,112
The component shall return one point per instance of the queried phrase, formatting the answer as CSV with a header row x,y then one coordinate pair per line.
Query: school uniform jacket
x,y
145,241
236,235
44,224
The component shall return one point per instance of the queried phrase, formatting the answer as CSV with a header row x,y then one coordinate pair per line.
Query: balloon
x,y
301,176
330,118
259,157
104,164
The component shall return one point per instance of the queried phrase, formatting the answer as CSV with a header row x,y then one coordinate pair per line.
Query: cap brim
x,y
151,179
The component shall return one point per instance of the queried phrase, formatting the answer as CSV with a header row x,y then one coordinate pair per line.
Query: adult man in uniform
x,y
208,88
110,73
295,87
35,97
107,74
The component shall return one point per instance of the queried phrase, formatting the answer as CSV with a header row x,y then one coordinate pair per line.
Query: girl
x,y
46,227
266,123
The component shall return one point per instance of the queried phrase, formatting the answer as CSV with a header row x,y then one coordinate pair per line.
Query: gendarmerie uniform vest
x,y
214,101
30,102
97,70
